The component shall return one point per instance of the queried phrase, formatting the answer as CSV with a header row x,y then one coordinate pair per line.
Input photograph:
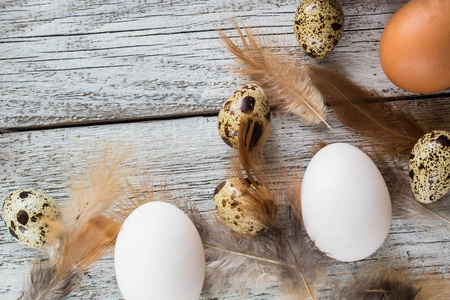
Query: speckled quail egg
x,y
429,166
29,215
248,100
318,26
230,200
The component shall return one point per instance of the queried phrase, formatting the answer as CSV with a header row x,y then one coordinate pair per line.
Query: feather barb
x,y
84,246
367,113
261,187
283,78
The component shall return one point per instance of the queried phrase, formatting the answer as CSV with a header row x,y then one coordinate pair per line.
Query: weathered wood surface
x,y
161,66
190,155
71,62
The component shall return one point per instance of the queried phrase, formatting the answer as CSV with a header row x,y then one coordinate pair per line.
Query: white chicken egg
x,y
159,255
346,205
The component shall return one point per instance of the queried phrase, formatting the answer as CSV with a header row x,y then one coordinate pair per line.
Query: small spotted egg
x,y
230,201
248,100
29,215
429,166
318,26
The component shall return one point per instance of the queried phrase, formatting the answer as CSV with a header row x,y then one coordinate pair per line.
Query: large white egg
x,y
159,255
345,203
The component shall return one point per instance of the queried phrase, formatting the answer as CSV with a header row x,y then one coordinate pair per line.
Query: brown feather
x,y
42,276
241,263
135,196
386,283
228,256
316,147
235,262
97,187
311,261
391,131
82,246
264,197
86,244
87,232
281,75
248,147
261,203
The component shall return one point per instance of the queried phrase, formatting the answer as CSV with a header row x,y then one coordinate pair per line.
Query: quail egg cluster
x,y
248,100
318,26
230,201
28,215
429,166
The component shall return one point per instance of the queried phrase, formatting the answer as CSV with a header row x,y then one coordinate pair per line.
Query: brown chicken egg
x,y
415,46
248,100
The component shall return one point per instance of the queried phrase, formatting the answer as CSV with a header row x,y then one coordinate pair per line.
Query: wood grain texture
x,y
72,62
189,154
153,74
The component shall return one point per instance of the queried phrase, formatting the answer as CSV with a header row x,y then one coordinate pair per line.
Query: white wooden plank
x,y
190,155
69,62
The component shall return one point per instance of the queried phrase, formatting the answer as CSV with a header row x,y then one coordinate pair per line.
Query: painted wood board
x,y
154,74
88,62
191,157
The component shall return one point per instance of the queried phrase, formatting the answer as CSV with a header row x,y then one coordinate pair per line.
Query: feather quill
x,y
276,249
235,262
83,246
391,131
261,202
283,78
228,256
238,263
87,233
263,189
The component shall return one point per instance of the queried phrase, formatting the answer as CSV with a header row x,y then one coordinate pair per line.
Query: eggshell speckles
x,y
28,215
429,166
318,26
345,203
230,205
248,100
159,255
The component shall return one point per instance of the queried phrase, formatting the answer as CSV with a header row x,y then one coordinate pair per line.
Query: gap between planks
x,y
210,113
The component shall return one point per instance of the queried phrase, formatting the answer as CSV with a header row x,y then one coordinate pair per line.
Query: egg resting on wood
x,y
415,46
231,206
248,100
429,166
346,207
318,26
159,255
30,216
